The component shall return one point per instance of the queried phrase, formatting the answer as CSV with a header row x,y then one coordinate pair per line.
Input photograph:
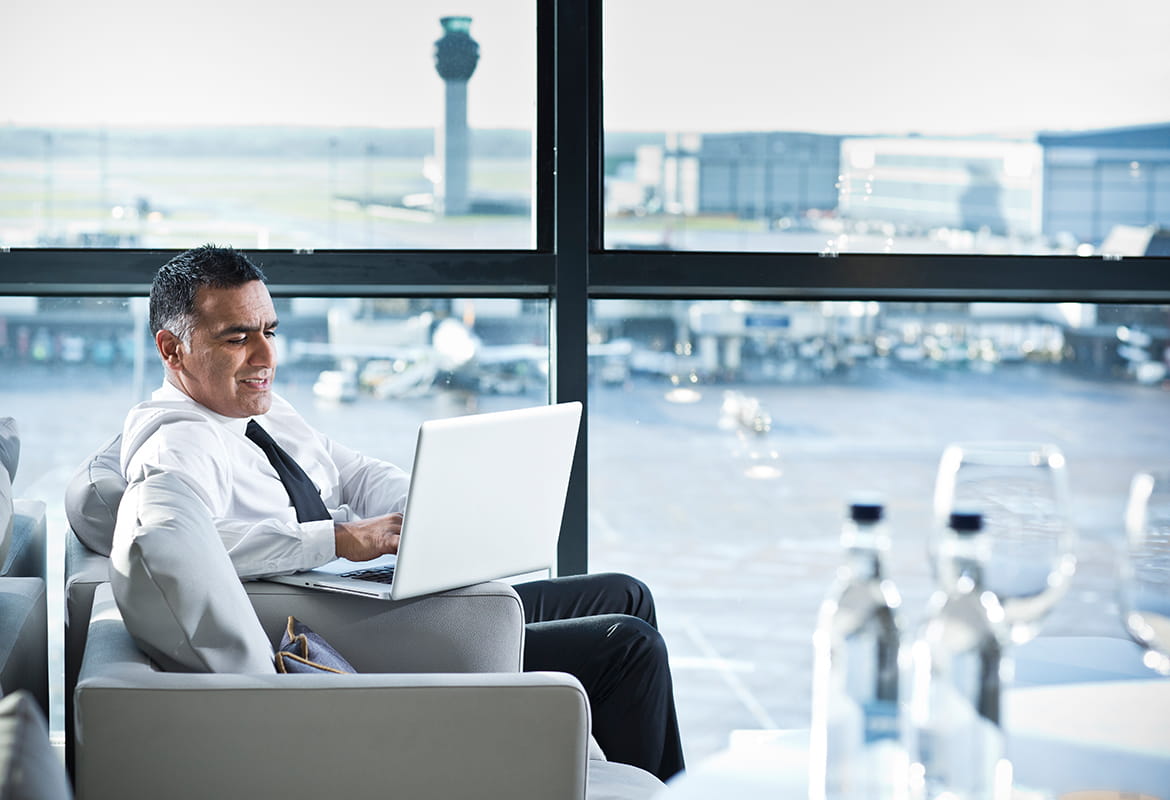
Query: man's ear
x,y
170,348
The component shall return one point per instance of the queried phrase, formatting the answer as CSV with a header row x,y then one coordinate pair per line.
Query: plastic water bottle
x,y
854,746
955,671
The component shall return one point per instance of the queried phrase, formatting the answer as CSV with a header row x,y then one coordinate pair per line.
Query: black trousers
x,y
603,630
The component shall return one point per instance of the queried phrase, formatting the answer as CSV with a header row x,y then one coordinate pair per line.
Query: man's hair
x,y
172,295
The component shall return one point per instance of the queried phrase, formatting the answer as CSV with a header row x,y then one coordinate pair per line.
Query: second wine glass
x,y
1145,582
1021,488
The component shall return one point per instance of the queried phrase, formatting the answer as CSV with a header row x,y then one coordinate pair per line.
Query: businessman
x,y
215,420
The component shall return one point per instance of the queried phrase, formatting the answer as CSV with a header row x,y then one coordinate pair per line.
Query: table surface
x,y
1084,715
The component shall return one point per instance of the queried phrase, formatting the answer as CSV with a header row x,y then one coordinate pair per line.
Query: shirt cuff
x,y
319,542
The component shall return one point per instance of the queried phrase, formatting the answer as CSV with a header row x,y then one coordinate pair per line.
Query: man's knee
x,y
638,640
639,602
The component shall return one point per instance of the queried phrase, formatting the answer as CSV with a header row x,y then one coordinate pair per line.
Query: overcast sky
x,y
849,66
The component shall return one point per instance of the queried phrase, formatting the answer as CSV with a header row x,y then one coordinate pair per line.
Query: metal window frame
x,y
569,267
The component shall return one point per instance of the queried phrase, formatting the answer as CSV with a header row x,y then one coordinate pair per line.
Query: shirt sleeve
x,y
369,487
258,545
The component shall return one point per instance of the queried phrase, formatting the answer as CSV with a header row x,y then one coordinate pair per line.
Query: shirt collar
x,y
168,392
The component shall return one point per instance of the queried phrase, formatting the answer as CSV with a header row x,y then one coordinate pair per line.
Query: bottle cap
x,y
866,509
966,521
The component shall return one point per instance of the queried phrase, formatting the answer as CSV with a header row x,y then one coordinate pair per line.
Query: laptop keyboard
x,y
375,574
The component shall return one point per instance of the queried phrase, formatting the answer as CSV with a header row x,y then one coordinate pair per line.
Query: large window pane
x,y
903,127
727,437
267,125
366,372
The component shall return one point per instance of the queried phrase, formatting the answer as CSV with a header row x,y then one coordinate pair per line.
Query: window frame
x,y
568,266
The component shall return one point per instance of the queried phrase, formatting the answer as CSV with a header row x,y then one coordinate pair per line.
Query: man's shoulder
x,y
173,419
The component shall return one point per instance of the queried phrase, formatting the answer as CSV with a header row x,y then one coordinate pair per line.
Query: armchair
x,y
22,521
145,733
23,604
439,706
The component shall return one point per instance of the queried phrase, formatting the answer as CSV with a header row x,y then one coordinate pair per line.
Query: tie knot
x,y
257,434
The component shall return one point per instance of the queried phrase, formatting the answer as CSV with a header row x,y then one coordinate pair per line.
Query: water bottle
x,y
955,671
855,747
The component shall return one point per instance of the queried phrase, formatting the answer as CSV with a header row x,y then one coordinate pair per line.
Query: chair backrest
x,y
93,494
24,660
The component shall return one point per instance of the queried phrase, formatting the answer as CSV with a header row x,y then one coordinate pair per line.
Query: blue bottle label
x,y
881,720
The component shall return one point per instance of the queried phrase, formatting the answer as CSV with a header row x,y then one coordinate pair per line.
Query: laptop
x,y
487,493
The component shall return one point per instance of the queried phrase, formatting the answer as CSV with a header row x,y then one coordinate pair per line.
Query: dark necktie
x,y
305,496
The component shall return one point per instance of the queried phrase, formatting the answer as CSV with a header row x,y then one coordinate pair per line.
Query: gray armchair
x,y
439,707
142,733
23,605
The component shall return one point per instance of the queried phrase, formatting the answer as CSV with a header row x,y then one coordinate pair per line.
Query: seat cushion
x,y
610,780
93,494
29,769
175,585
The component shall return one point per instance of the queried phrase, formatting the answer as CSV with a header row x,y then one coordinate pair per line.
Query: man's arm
x,y
369,486
244,509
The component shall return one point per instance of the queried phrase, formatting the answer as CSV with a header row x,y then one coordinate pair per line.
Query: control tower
x,y
456,55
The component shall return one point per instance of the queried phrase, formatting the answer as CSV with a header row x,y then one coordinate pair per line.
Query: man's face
x,y
231,361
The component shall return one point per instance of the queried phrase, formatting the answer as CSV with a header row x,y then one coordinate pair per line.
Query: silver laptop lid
x,y
487,494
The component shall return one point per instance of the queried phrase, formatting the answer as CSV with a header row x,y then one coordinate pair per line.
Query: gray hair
x,y
172,295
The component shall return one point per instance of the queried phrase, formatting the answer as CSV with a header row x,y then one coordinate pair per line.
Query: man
x,y
214,323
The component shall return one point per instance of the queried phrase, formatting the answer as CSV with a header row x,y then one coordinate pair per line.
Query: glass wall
x,y
726,438
339,126
365,372
886,127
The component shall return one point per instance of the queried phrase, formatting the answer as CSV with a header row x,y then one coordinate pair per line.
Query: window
x,y
884,128
330,129
361,370
726,438
791,125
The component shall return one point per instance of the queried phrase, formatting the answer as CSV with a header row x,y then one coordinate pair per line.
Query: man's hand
x,y
365,539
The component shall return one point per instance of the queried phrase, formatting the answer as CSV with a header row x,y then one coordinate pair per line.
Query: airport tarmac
x,y
735,530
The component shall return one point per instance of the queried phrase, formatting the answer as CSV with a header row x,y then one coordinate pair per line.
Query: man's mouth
x,y
257,383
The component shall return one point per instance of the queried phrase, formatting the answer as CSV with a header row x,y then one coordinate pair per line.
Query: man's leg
x,y
601,630
586,596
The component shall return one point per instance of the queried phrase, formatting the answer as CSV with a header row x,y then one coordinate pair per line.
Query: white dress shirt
x,y
247,500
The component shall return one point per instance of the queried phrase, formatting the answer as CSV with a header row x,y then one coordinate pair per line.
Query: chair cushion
x,y
93,494
9,447
175,585
29,769
611,780
303,650
9,459
7,516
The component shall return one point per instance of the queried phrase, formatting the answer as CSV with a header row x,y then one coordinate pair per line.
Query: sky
x,y
844,66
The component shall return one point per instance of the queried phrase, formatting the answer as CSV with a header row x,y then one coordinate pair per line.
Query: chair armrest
x,y
474,629
142,733
26,554
24,651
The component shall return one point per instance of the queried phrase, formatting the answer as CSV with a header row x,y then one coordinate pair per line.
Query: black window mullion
x,y
576,227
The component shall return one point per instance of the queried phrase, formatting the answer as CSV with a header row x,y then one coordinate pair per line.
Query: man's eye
x,y
270,334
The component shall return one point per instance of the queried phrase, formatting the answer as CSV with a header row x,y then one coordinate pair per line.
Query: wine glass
x,y
1021,489
1145,565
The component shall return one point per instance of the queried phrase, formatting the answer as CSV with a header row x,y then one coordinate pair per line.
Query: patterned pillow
x,y
302,650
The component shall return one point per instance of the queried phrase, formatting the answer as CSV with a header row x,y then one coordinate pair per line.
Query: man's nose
x,y
263,352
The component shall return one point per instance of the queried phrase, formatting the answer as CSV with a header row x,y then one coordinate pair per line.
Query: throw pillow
x,y
7,515
93,494
9,446
303,650
29,769
176,587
